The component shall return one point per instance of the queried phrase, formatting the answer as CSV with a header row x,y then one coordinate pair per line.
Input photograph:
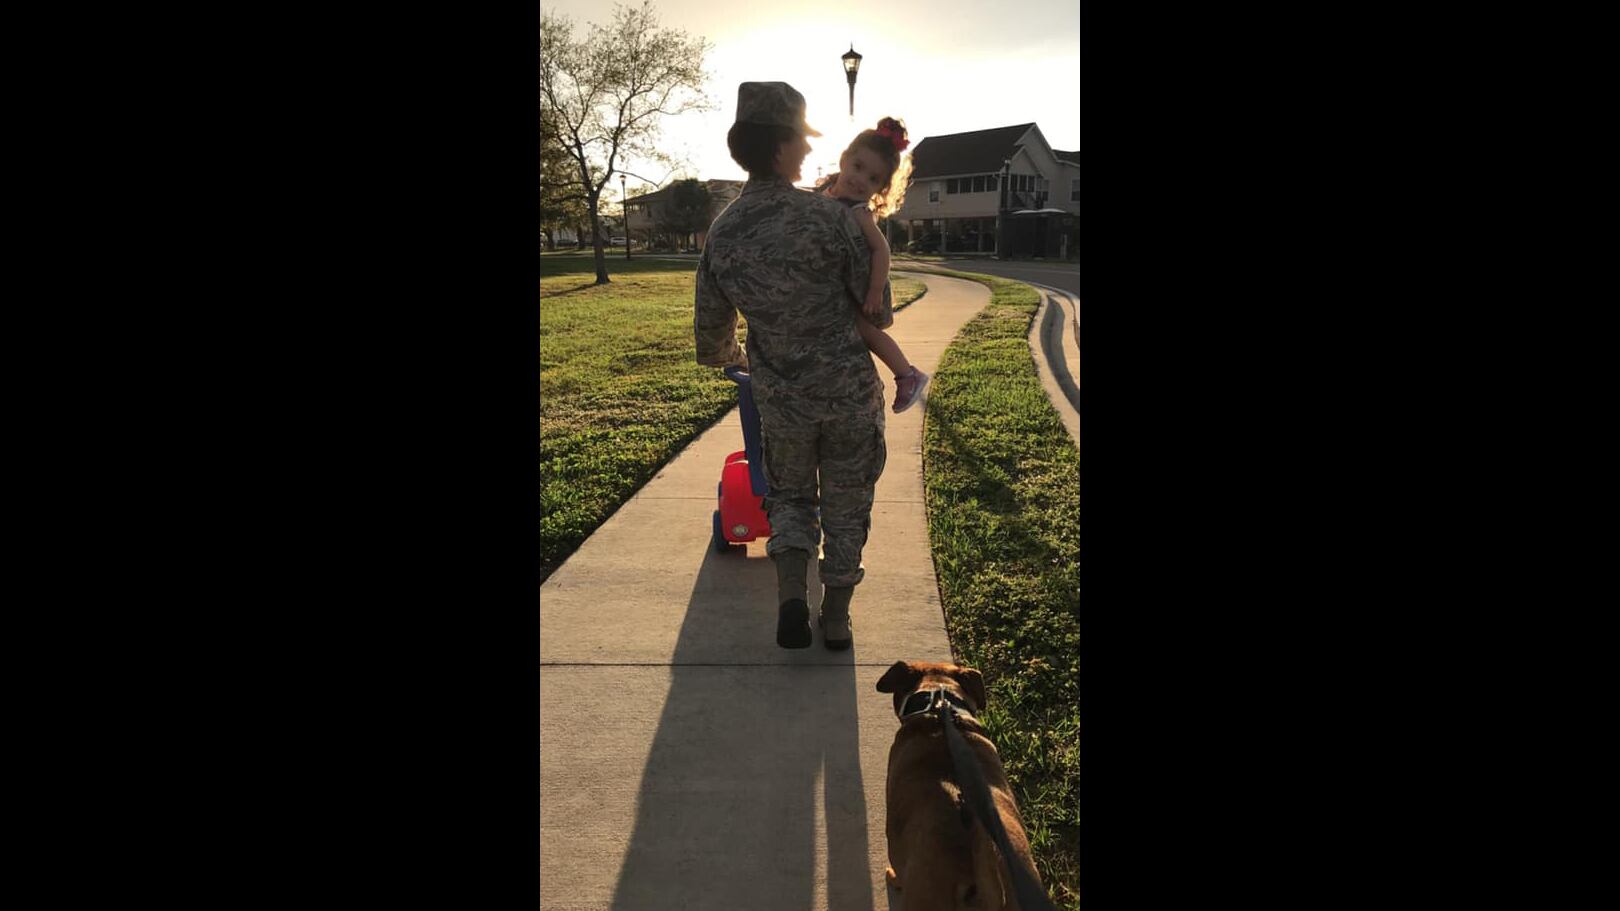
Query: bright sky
x,y
942,66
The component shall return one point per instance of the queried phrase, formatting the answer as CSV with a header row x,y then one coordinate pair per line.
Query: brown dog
x,y
940,856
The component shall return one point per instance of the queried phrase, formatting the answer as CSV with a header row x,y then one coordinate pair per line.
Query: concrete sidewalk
x,y
685,760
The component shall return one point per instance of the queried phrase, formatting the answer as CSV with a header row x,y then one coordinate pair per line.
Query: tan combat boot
x,y
835,628
792,613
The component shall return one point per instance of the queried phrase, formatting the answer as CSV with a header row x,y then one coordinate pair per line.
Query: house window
x,y
933,192
1074,191
950,185
978,184
990,182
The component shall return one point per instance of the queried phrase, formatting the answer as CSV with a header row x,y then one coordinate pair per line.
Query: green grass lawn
x,y
1003,490
620,392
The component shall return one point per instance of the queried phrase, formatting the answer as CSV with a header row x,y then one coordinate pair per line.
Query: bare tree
x,y
562,202
607,94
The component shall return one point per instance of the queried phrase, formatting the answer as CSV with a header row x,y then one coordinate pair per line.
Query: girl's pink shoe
x,y
908,389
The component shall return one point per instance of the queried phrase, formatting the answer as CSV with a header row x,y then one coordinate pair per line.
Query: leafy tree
x,y
686,209
607,94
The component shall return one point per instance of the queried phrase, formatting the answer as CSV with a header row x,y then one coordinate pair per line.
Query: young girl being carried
x,y
871,180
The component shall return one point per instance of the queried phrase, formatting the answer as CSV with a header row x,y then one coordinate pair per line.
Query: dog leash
x,y
1031,897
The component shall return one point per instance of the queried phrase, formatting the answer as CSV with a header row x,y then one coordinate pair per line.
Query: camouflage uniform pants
x,y
834,464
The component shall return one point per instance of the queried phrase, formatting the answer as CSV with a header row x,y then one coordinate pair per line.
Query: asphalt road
x,y
1064,275
1057,274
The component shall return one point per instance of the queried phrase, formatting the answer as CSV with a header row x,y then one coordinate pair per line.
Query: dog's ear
x,y
899,678
972,683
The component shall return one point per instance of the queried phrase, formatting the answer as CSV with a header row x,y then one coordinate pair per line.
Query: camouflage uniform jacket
x,y
795,264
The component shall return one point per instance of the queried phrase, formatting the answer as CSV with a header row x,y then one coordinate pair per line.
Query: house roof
x,y
715,186
978,152
1070,157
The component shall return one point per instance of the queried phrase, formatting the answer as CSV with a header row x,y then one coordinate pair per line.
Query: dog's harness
x,y
950,709
930,702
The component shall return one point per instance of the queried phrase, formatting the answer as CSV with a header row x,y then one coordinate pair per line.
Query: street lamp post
x,y
624,206
1001,209
852,65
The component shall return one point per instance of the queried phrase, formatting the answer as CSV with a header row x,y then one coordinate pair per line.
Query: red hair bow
x,y
894,136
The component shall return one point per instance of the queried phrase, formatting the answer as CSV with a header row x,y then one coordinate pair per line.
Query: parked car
x,y
928,243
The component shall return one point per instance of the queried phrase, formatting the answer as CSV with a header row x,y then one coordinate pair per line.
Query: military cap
x,y
772,104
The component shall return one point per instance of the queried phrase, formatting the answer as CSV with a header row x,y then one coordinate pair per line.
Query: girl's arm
x,y
880,260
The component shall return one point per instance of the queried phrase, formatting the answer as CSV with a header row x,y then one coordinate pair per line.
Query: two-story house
x,y
962,182
644,216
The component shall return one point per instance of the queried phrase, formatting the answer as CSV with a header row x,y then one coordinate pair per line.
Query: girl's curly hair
x,y
887,141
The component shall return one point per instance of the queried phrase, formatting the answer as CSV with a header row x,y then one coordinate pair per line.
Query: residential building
x,y
962,182
644,210
561,237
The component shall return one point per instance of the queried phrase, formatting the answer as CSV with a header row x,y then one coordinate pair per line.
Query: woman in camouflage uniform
x,y
796,265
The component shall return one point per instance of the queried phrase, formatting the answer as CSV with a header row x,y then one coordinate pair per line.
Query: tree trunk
x,y
551,239
596,241
579,237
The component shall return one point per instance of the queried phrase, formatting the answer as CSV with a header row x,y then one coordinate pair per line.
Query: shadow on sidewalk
x,y
753,751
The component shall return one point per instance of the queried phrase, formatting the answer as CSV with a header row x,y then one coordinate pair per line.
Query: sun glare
x,y
1021,67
